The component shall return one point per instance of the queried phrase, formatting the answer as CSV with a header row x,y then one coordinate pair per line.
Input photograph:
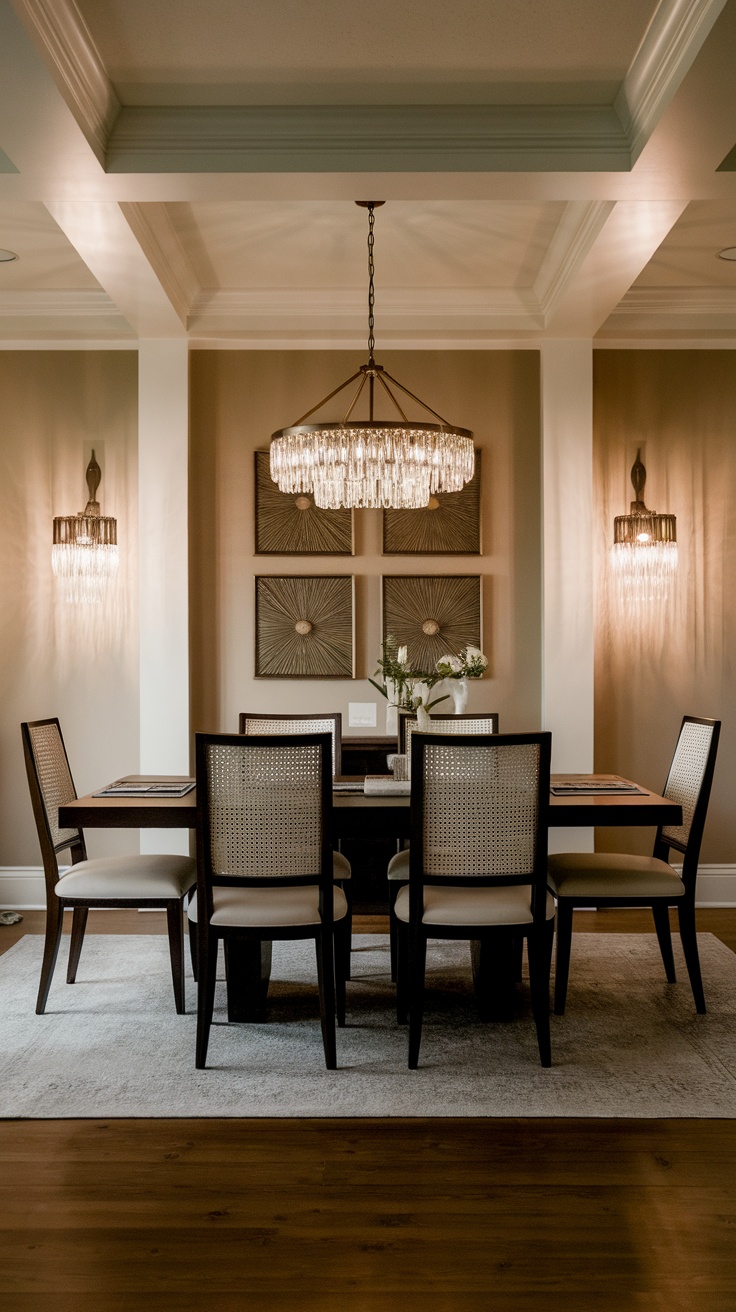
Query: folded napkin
x,y
382,785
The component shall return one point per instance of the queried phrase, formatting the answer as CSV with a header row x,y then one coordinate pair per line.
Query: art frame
x,y
305,626
448,526
291,525
432,615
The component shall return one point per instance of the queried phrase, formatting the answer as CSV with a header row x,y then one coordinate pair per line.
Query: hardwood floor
x,y
377,1216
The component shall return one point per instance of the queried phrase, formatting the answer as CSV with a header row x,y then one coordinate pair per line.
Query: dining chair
x,y
265,868
478,861
260,722
609,879
398,868
157,881
255,722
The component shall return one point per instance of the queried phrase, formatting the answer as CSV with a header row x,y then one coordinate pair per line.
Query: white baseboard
x,y
22,888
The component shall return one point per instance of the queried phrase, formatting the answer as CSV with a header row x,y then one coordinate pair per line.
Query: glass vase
x,y
459,694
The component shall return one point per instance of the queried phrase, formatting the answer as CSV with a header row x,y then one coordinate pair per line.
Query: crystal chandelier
x,y
644,551
84,556
372,463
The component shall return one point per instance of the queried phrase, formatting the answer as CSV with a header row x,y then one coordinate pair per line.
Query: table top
x,y
619,809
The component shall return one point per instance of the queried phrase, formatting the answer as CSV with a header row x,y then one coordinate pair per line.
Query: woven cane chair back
x,y
692,763
482,806
264,807
453,724
253,723
51,777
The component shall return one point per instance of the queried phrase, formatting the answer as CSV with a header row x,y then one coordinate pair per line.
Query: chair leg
x,y
79,924
207,961
326,981
54,924
688,937
540,962
402,972
175,926
562,959
343,938
393,926
193,946
417,967
661,916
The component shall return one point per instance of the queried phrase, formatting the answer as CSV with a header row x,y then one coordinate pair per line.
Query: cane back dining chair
x,y
251,722
607,879
478,861
157,881
398,868
265,867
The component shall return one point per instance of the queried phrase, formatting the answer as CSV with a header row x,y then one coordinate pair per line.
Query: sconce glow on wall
x,y
644,551
84,556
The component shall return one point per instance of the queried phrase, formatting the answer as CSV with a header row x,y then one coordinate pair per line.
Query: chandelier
x,y
84,556
373,463
644,551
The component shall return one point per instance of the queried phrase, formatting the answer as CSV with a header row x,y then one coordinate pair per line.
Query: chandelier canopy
x,y
84,555
372,463
644,551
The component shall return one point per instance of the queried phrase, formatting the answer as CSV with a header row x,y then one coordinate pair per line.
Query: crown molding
x,y
385,138
670,44
60,31
671,302
159,241
576,233
92,303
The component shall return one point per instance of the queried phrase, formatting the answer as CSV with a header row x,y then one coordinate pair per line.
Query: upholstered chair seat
x,y
473,906
250,908
158,876
610,874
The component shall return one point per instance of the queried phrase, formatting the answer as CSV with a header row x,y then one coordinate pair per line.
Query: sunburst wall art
x,y
449,526
292,525
432,615
304,627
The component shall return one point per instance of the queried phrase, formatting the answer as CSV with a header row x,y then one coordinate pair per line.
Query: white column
x,y
163,458
567,641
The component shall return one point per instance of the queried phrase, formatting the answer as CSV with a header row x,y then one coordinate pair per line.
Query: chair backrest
x,y
263,811
51,786
251,722
485,723
689,783
480,811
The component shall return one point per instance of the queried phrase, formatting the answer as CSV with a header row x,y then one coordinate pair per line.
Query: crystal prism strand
x,y
643,572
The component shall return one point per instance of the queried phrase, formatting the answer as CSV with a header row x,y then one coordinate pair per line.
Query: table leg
x,y
496,964
247,971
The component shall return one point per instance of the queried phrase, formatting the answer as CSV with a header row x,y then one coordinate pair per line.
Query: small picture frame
x,y
305,627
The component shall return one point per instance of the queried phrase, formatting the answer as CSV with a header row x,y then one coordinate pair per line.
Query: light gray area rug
x,y
112,1045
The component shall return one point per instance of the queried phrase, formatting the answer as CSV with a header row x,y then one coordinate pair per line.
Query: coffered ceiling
x,y
175,168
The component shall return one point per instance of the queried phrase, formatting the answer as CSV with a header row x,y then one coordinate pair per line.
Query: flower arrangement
x,y
401,685
470,664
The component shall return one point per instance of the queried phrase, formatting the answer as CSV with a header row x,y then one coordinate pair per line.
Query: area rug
x,y
111,1045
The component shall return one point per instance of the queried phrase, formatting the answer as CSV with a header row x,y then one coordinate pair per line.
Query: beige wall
x,y
238,400
56,405
680,406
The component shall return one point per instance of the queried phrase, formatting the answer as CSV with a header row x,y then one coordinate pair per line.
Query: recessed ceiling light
x,y
7,256
729,253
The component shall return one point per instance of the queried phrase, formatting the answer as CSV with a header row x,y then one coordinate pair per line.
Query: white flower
x,y
401,656
474,657
452,663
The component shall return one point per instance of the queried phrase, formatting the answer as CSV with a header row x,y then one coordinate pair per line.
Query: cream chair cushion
x,y
447,905
398,866
254,908
340,867
134,877
610,874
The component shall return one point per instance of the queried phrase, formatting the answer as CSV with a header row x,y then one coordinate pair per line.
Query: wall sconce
x,y
644,551
84,556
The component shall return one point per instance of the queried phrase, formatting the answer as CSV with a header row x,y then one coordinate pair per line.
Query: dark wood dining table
x,y
356,816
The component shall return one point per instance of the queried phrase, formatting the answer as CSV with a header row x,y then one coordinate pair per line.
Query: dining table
x,y
357,816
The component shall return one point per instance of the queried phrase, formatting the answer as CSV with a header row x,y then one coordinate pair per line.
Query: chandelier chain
x,y
371,289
